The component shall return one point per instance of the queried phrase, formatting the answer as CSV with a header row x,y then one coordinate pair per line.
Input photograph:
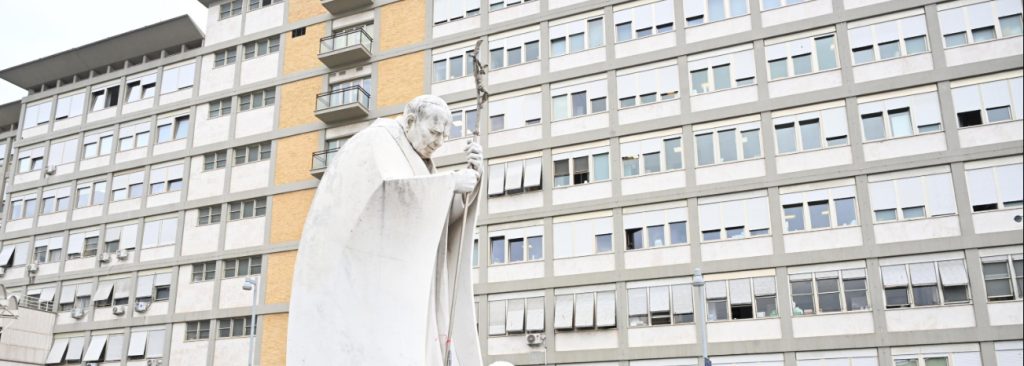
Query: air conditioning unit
x,y
51,170
78,313
535,340
154,362
142,306
33,267
117,309
104,257
122,254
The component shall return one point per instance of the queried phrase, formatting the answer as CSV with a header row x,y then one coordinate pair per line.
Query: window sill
x,y
1004,209
660,325
865,311
713,22
723,90
743,320
179,89
916,307
610,252
451,79
729,162
579,117
579,185
652,174
892,59
982,42
769,235
791,77
673,31
240,111
676,245
814,150
243,60
912,220
537,124
902,137
816,230
674,99
127,102
550,57
455,20
989,124
506,67
515,263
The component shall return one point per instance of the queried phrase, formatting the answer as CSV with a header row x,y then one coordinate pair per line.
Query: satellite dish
x,y
502,363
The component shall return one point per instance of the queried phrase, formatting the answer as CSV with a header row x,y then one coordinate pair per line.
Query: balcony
x,y
345,47
340,6
344,104
321,159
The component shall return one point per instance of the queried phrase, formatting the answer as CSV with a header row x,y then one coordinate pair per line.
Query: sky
x,y
30,30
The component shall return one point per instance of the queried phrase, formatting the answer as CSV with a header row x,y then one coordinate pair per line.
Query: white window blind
x,y
177,78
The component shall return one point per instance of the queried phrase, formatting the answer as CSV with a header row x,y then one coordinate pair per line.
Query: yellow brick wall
x,y
300,53
402,23
294,156
302,9
400,79
288,215
298,102
280,268
274,343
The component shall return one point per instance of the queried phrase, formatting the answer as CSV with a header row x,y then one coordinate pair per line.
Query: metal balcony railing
x,y
34,303
321,159
345,96
347,38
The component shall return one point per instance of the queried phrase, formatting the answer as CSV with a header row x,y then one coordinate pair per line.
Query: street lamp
x,y
251,284
698,282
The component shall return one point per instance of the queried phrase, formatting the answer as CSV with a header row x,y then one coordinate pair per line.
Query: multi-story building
x,y
845,173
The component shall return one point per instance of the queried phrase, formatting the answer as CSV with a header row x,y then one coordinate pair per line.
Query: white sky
x,y
30,30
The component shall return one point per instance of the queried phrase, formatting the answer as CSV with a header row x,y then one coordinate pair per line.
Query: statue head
x,y
426,121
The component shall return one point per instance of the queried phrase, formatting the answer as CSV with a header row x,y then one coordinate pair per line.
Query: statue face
x,y
427,132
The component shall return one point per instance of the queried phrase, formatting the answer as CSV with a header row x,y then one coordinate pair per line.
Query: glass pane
x,y
579,104
906,362
819,214
926,295
535,247
581,170
562,173
677,232
1010,25
794,216
770,4
560,107
630,166
863,55
846,212
595,33
896,297
727,145
716,10
576,42
785,136
778,68
802,64
557,46
497,58
699,81
916,45
601,167
855,299
885,215
810,135
913,212
983,34
998,114
455,66
440,71
705,149
888,50
737,7
623,32
722,77
652,162
825,49
604,242
955,39
766,307
936,361
532,51
515,56
673,154
874,128
498,250
751,144
515,250
656,235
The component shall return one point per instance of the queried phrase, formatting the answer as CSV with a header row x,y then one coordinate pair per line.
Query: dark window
x,y
298,32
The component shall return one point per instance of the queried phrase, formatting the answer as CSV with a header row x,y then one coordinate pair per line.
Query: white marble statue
x,y
376,268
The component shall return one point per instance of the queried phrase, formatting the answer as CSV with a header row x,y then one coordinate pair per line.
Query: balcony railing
x,y
34,303
348,38
321,159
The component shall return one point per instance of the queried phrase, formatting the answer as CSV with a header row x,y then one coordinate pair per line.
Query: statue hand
x,y
465,180
474,156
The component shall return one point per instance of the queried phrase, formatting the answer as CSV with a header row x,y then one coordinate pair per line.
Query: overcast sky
x,y
30,30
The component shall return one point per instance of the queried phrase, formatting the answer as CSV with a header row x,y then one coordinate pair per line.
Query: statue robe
x,y
376,264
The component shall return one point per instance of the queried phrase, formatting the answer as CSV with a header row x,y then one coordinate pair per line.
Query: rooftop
x,y
149,39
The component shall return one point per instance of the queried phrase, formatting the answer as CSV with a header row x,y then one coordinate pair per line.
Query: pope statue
x,y
379,279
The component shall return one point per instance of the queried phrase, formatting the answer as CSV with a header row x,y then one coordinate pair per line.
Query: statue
x,y
382,274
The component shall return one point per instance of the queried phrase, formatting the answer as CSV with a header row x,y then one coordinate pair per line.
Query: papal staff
x,y
481,97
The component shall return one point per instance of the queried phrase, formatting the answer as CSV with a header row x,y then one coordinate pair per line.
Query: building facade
x,y
845,173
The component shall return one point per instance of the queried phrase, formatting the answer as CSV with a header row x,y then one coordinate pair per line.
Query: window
x,y
93,193
83,245
517,245
161,232
67,107
197,330
234,327
737,299
911,198
514,112
1003,276
465,120
811,131
980,22
97,144
219,108
127,186
515,315
923,287
209,215
699,12
660,305
246,266
819,209
713,73
24,207
152,288
62,152
30,159
651,156
48,250
262,47
582,237
452,10
736,219
989,102
37,114
997,187
141,88
252,153
205,271
215,160
938,355
225,57
513,50
576,36
644,21
726,144
581,167
166,179
514,177
891,39
900,117
138,348
230,9
801,56
177,78
298,32
256,207
257,4
829,291
120,237
171,129
105,97
648,86
587,309
133,137
112,292
257,99
653,229
453,64
579,100
56,200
